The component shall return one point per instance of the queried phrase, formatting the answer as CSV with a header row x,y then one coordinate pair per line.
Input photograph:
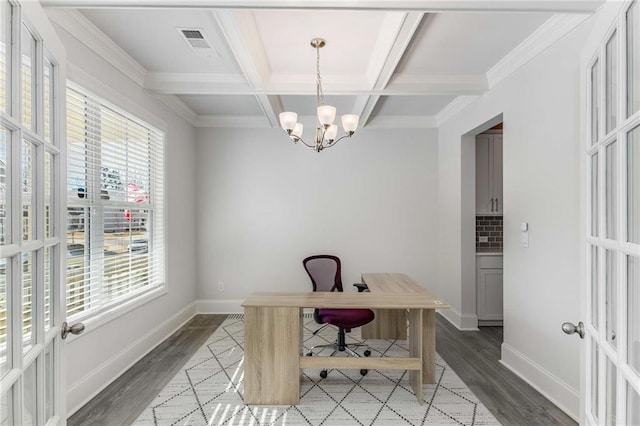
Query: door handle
x,y
76,328
571,328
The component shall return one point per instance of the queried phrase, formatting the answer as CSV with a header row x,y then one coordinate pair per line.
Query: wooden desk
x,y
273,352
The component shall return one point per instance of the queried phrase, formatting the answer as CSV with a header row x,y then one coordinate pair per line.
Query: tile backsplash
x,y
490,227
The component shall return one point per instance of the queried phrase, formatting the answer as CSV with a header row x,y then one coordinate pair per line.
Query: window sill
x,y
96,321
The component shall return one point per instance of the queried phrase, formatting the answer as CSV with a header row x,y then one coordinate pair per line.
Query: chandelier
x,y
326,131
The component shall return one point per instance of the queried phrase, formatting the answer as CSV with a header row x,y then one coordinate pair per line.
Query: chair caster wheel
x,y
367,352
323,374
364,372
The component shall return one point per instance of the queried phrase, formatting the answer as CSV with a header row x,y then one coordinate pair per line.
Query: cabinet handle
x,y
496,204
492,205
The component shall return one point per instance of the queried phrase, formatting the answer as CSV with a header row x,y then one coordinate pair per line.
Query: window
x,y
115,208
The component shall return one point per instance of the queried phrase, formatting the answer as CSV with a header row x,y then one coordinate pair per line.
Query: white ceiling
x,y
394,67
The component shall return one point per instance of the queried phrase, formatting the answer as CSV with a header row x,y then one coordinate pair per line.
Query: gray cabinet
x,y
489,289
489,173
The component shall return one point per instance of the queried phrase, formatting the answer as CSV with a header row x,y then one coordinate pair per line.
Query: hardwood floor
x,y
473,355
125,399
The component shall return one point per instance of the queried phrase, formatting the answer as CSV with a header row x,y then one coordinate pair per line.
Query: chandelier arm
x,y
338,140
306,144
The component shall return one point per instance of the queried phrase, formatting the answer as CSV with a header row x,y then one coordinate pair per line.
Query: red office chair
x,y
324,271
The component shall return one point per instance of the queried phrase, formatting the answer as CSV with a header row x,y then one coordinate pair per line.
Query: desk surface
x,y
392,283
388,291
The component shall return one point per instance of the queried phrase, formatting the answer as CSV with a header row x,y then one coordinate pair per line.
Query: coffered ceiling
x,y
396,64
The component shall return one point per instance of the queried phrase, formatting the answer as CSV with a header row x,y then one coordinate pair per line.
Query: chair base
x,y
341,346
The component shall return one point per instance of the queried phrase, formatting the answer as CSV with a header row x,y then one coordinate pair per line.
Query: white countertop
x,y
489,254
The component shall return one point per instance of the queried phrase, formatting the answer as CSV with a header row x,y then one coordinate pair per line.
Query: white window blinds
x,y
115,209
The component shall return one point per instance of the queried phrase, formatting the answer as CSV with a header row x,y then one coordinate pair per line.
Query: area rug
x,y
208,390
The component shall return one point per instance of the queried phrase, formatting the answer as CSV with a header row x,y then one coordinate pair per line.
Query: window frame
x,y
95,318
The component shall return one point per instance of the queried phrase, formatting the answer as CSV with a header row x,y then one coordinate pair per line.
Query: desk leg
x,y
416,350
272,348
429,346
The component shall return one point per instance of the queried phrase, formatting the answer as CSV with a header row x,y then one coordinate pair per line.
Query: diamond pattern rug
x,y
208,390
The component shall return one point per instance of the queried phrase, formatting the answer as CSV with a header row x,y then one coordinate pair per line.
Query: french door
x,y
611,389
31,151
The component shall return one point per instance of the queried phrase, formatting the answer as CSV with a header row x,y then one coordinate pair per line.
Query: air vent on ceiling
x,y
198,42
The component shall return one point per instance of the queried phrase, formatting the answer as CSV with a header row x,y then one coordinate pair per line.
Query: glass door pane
x,y
4,163
595,99
28,190
28,76
5,58
611,188
611,87
633,59
594,195
594,287
611,294
633,186
633,406
593,390
611,393
633,313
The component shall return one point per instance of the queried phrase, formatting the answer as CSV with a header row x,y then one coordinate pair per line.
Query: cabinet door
x,y
496,172
483,191
489,297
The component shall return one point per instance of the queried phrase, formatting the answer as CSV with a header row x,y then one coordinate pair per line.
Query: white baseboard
x,y
222,306
463,322
83,390
551,387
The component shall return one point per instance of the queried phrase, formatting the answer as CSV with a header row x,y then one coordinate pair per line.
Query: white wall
x,y
264,204
540,104
101,354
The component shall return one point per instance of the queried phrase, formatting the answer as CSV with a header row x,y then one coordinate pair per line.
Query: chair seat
x,y
346,318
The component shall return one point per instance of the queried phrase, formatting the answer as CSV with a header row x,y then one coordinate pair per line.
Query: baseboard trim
x,y
107,372
221,306
551,387
463,322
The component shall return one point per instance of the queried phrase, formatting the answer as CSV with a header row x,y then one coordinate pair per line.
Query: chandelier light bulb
x,y
350,123
288,121
331,132
326,115
297,131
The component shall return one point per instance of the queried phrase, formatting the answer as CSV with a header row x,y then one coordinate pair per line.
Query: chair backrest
x,y
324,271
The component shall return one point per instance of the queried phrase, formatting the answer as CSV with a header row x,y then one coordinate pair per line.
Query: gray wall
x,y
264,204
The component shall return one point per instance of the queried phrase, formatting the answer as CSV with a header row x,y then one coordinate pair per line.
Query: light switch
x,y
524,226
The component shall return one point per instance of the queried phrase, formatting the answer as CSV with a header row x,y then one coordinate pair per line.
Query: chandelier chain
x,y
319,93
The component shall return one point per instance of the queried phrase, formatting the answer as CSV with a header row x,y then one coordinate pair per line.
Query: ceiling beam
x,y
547,6
241,32
401,85
384,60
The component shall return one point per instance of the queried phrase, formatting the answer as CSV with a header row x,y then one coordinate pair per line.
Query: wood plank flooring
x,y
127,397
473,355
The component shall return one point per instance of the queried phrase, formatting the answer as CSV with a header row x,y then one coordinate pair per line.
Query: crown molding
x,y
76,24
416,84
403,122
453,108
546,35
197,83
179,107
556,6
234,121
